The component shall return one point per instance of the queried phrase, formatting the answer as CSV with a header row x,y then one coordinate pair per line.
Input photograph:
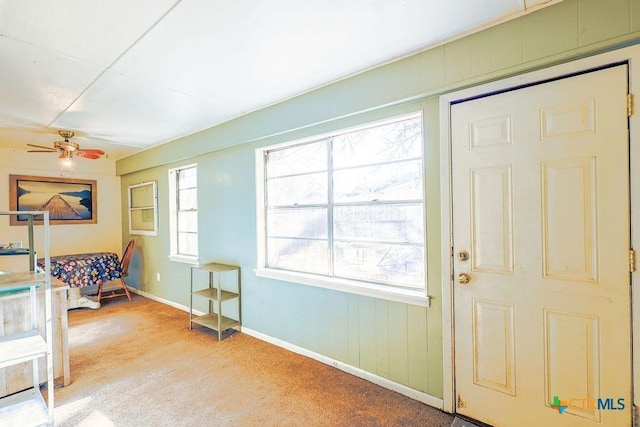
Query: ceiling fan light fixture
x,y
66,163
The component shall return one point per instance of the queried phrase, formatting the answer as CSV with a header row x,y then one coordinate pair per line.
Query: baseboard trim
x,y
158,299
360,373
414,394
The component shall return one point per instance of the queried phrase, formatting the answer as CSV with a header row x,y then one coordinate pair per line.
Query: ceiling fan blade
x,y
41,151
45,148
89,154
94,151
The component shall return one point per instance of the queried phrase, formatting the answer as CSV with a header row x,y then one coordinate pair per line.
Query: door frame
x,y
631,55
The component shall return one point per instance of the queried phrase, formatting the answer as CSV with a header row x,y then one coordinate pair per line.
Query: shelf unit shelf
x,y
215,295
21,347
210,320
212,294
22,280
28,407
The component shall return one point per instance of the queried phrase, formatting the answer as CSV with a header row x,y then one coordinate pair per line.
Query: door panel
x,y
493,336
491,220
569,220
565,120
540,193
572,365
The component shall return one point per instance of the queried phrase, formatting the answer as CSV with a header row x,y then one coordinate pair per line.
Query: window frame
x,y
153,207
361,287
174,230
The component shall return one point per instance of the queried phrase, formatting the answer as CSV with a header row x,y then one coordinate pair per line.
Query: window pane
x,y
393,141
398,265
301,190
300,222
188,221
188,199
311,157
142,219
311,256
187,178
381,223
187,243
142,197
393,181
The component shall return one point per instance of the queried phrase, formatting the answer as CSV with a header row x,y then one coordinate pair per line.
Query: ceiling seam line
x,y
164,15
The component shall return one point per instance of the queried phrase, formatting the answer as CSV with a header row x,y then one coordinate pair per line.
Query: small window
x,y
183,205
143,206
347,208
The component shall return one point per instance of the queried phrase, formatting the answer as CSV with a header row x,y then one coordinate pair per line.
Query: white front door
x,y
541,231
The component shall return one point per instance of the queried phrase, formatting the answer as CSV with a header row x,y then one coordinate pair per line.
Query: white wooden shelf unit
x,y
28,407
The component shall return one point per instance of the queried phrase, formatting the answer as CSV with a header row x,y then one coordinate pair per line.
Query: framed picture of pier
x,y
68,200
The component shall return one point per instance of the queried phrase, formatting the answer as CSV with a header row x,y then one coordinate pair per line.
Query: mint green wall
x,y
397,341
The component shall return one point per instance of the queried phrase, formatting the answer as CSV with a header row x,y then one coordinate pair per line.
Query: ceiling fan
x,y
67,149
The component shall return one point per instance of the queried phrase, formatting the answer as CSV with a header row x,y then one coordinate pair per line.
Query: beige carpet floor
x,y
138,364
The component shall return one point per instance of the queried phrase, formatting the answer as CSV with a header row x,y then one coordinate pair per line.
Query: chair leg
x,y
113,292
126,290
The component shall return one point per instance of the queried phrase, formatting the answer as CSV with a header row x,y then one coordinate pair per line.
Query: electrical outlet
x,y
157,277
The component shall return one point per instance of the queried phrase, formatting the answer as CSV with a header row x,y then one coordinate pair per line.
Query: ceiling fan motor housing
x,y
66,145
66,134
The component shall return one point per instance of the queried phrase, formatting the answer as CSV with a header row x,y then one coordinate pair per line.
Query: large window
x,y
183,205
348,206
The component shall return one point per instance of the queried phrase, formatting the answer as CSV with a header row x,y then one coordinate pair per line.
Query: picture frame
x,y
68,200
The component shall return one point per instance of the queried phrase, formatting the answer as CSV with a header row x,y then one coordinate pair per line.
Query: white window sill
x,y
351,286
183,258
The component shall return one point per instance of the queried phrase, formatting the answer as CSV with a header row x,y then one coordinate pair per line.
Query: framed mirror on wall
x,y
143,209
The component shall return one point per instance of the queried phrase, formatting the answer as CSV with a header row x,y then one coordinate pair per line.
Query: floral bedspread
x,y
81,270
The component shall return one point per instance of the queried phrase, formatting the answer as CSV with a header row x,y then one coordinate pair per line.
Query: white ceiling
x,y
127,75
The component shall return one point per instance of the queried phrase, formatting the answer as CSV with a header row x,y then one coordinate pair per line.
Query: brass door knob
x,y
463,278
